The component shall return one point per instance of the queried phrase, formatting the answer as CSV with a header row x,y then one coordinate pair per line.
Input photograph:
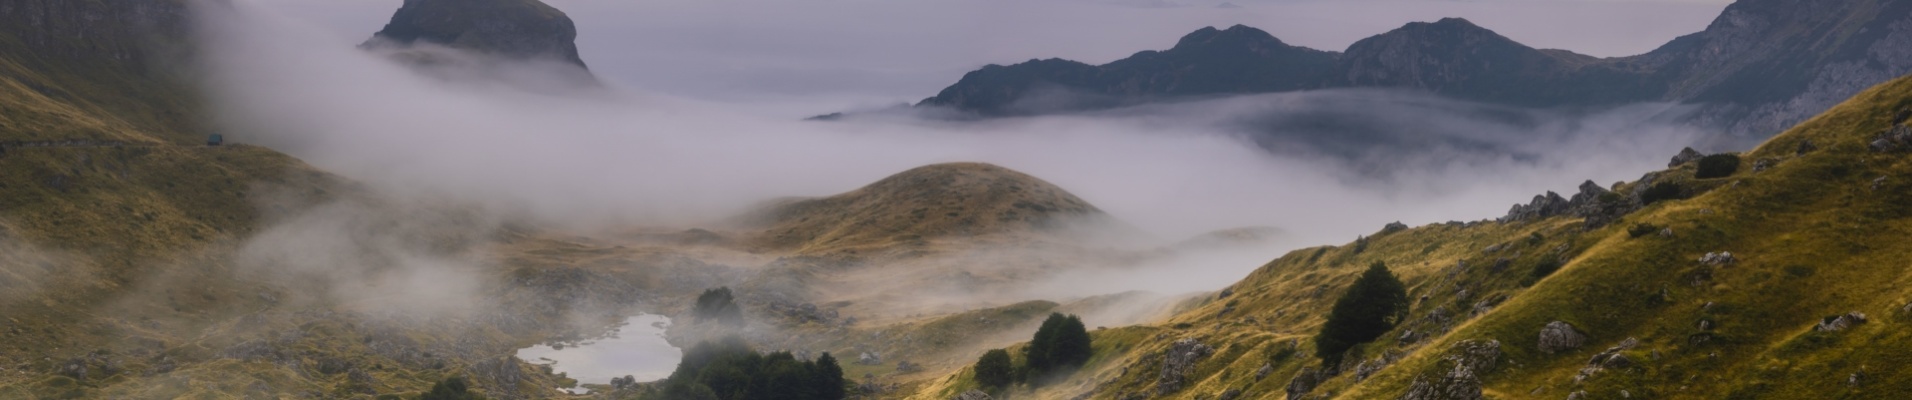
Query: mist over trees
x,y
728,369
1059,346
995,370
718,305
1061,343
1370,307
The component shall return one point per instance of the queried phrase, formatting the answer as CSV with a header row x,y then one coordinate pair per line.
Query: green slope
x,y
1812,235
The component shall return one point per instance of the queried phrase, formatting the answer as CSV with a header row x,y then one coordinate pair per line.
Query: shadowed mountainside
x,y
1762,66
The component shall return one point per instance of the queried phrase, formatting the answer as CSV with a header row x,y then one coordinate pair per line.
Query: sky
x,y
801,58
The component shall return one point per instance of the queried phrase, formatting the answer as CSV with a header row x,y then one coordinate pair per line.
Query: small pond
x,y
637,349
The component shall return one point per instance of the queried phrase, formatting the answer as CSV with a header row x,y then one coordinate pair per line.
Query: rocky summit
x,y
515,29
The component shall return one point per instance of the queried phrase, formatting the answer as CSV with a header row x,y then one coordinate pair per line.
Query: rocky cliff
x,y
514,29
109,57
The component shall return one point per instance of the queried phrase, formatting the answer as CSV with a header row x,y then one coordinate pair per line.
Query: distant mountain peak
x,y
1234,35
515,29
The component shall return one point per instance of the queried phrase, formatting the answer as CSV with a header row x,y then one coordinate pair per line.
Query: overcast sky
x,y
816,56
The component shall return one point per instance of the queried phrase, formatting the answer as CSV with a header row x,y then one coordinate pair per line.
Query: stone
x,y
1609,359
1668,232
1541,207
1686,155
972,394
1560,336
1303,382
1878,183
1896,139
1580,395
1805,146
1408,337
1763,164
1368,368
1264,371
1720,258
868,358
1841,322
1178,362
1460,383
1229,394
1477,355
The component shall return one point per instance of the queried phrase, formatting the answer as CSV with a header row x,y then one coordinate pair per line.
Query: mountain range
x,y
1761,66
130,248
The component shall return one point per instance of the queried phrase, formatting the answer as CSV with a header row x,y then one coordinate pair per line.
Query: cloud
x,y
805,58
636,157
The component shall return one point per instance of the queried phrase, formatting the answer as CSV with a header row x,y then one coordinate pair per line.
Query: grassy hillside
x,y
1819,233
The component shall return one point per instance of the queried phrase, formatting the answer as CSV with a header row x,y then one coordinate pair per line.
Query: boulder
x,y
1230,394
1686,155
1878,183
972,395
1720,258
1896,139
1460,383
1178,362
1609,359
1841,322
1264,371
1805,146
1303,382
1763,164
1560,336
868,358
1368,368
1476,355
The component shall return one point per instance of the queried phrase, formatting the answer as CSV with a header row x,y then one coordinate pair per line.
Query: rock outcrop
x,y
1612,358
972,395
516,29
1841,322
1686,155
1178,362
1560,336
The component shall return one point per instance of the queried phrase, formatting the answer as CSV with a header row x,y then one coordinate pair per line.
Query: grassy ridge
x,y
1812,236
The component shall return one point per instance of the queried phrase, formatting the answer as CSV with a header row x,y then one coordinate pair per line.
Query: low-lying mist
x,y
1323,166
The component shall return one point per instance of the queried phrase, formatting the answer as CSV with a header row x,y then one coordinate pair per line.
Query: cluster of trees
x,y
1060,345
1370,308
453,388
718,305
1717,166
729,369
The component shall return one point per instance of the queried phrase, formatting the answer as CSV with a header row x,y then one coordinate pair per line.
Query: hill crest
x,y
924,203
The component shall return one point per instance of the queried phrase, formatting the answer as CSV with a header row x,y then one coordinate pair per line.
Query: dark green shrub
x,y
994,370
1642,229
1718,166
729,369
1662,191
1545,267
1061,343
1371,307
717,304
453,388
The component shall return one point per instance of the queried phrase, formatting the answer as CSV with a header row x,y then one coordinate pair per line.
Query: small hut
x,y
215,140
